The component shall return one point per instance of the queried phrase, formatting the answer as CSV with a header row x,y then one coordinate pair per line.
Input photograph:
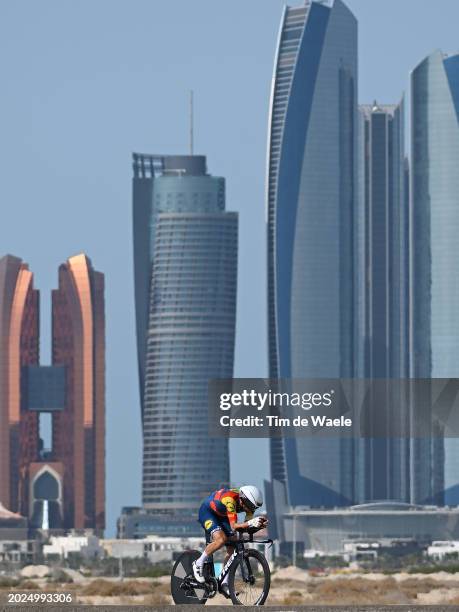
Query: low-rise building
x,y
87,545
153,548
441,550
18,552
15,547
393,522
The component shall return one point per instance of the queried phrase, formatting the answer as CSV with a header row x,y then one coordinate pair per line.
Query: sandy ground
x,y
289,587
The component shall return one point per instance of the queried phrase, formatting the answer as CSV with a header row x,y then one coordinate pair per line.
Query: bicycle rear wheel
x,y
249,581
181,571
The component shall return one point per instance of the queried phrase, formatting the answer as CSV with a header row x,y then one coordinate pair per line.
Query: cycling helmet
x,y
251,497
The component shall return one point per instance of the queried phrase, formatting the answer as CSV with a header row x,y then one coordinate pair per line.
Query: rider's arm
x,y
245,525
236,525
231,511
232,518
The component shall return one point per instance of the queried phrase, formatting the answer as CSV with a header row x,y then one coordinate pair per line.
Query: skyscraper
x,y
79,430
60,485
311,226
435,247
383,295
185,257
384,218
19,348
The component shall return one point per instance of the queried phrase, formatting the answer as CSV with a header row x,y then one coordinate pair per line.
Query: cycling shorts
x,y
211,521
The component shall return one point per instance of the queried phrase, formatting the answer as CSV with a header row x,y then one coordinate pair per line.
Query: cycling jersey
x,y
220,509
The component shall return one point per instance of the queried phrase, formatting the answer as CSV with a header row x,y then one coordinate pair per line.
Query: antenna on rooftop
x,y
191,122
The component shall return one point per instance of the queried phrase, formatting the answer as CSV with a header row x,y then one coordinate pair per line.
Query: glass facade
x,y
44,388
136,523
191,248
435,220
383,215
383,295
311,180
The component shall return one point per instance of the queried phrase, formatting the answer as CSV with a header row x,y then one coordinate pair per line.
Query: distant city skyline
x,y
81,94
362,271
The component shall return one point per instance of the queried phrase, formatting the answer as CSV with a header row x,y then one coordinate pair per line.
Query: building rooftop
x,y
382,507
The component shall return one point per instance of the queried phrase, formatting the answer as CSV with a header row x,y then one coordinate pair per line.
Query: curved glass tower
x,y
185,247
310,204
435,219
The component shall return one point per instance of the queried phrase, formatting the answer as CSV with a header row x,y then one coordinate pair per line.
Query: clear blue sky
x,y
84,83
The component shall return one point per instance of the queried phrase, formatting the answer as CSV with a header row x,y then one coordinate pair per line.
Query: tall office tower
x,y
58,483
79,430
383,304
310,205
385,218
185,256
19,348
435,253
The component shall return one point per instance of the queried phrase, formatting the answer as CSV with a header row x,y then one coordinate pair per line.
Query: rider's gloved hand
x,y
255,522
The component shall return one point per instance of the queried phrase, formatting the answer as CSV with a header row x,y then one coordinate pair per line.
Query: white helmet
x,y
251,496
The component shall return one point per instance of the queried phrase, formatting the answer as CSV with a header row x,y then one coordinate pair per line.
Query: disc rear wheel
x,y
182,570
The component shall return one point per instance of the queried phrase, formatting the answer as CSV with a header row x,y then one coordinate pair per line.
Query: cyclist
x,y
218,516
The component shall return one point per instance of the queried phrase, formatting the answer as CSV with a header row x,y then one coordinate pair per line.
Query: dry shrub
x,y
287,583
412,586
105,588
294,598
359,591
6,583
279,582
71,587
156,599
29,585
164,588
59,576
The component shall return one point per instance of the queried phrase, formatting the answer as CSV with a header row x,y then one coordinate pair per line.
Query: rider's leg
x,y
218,541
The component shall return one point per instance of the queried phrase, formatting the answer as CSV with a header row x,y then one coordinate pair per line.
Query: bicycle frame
x,y
239,549
227,565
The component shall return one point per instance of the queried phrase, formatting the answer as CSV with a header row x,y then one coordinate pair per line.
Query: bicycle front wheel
x,y
249,579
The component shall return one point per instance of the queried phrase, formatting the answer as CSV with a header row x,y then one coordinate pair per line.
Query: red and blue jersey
x,y
226,504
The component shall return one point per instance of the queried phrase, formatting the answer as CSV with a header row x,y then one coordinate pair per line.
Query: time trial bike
x,y
249,577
